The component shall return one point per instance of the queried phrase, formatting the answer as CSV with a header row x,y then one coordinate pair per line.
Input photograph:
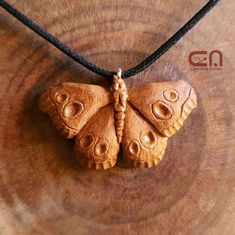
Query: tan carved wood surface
x,y
98,118
42,188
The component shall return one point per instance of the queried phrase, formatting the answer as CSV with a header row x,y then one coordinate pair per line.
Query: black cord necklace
x,y
96,69
141,118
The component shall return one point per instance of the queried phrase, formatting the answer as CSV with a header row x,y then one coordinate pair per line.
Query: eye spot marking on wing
x,y
171,95
148,138
161,110
87,141
134,148
62,96
73,109
101,148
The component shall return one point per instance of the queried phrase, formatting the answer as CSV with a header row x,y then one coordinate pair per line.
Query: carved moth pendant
x,y
101,120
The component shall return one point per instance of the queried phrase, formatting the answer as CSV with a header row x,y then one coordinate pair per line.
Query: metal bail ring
x,y
119,73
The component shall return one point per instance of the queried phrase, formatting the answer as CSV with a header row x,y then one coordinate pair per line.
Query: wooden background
x,y
42,188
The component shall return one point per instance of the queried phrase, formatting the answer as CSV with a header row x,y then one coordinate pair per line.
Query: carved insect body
x,y
120,101
141,121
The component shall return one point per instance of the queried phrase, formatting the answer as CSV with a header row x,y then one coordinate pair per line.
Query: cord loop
x,y
96,69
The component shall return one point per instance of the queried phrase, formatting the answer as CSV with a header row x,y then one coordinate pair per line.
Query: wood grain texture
x,y
42,189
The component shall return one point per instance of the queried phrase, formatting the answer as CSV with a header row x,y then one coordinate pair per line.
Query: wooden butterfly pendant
x,y
101,120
